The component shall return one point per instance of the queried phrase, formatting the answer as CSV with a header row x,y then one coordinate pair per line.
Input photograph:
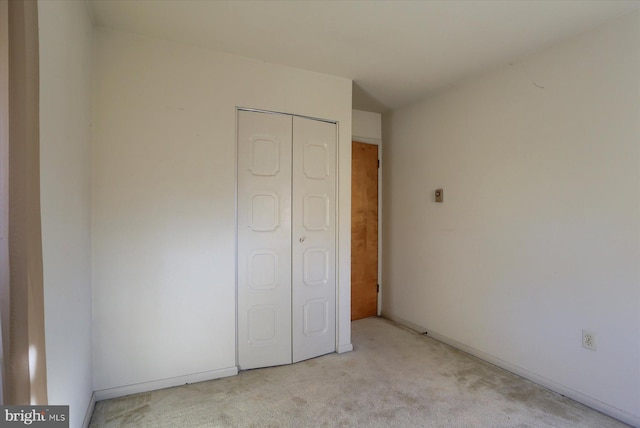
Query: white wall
x,y
163,202
366,125
538,235
65,133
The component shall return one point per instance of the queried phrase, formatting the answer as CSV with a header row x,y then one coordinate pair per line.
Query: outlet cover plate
x,y
589,340
439,195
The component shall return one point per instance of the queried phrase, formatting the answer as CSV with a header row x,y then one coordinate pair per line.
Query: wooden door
x,y
364,231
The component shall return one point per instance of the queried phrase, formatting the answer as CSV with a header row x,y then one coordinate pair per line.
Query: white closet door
x,y
264,239
314,238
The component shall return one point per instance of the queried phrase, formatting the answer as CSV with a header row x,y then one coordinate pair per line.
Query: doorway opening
x,y
364,230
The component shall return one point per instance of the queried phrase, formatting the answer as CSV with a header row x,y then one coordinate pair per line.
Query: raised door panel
x,y
314,238
264,239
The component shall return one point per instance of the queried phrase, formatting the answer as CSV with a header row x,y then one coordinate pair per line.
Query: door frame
x,y
376,142
338,348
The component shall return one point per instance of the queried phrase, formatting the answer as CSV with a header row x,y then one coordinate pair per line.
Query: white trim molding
x,y
345,348
121,391
367,140
554,386
89,413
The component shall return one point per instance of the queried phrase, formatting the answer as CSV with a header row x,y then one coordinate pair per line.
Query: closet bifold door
x,y
264,239
314,238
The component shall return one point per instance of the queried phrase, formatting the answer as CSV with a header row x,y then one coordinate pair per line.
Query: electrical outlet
x,y
588,340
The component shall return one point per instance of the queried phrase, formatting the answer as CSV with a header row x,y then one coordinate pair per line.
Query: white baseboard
x,y
405,323
578,396
121,391
87,415
345,348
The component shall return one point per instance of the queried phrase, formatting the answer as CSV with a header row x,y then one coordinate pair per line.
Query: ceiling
x,y
396,52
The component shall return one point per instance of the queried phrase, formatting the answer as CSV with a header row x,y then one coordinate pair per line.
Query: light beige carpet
x,y
393,378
